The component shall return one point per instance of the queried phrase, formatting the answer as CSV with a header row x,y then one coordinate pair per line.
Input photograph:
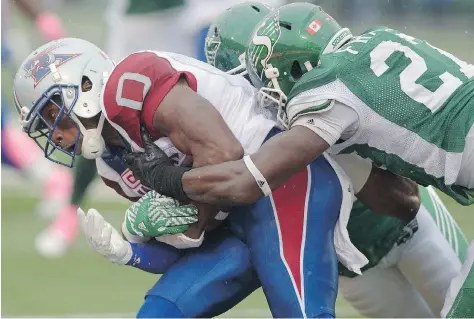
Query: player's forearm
x,y
231,183
225,184
153,257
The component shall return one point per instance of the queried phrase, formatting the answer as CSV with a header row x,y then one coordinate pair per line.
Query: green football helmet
x,y
288,43
229,35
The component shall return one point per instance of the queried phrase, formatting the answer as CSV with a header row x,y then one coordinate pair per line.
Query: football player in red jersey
x,y
74,101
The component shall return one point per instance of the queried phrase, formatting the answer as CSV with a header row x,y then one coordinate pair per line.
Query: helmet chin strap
x,y
93,144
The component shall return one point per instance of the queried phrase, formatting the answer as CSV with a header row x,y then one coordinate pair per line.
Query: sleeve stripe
x,y
295,111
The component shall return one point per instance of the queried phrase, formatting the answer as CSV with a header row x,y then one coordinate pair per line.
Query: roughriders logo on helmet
x,y
38,67
314,27
263,40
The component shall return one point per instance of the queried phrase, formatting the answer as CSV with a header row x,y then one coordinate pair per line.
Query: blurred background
x,y
45,270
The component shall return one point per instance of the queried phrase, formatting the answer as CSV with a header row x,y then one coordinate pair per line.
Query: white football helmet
x,y
58,69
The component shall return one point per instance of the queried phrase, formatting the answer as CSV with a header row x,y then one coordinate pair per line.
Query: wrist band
x,y
261,181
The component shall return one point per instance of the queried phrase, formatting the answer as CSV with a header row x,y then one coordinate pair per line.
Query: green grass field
x,y
85,284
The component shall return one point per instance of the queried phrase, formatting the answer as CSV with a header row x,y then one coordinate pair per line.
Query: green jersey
x,y
375,235
415,105
149,6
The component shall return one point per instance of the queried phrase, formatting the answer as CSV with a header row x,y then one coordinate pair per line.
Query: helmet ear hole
x,y
285,25
86,84
296,70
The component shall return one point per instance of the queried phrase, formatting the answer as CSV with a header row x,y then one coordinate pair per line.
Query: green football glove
x,y
155,215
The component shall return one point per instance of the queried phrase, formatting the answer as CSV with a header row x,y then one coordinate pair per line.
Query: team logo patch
x,y
38,66
314,27
263,42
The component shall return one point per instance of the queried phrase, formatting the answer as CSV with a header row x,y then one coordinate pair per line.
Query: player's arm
x,y
381,191
246,180
229,183
277,160
170,106
195,127
232,183
388,194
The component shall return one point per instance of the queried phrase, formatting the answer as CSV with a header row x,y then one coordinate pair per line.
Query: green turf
x,y
84,283
81,283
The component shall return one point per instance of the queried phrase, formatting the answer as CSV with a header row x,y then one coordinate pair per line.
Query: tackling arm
x,y
277,160
231,183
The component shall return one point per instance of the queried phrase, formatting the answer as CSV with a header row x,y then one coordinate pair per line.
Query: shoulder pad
x,y
134,91
302,100
324,73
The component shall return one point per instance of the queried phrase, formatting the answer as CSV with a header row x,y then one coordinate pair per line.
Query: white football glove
x,y
103,237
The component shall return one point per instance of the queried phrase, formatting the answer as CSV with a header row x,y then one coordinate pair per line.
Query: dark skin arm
x,y
388,194
278,159
282,156
196,128
230,183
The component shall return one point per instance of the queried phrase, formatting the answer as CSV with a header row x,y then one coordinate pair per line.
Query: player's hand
x,y
156,215
155,169
143,164
103,237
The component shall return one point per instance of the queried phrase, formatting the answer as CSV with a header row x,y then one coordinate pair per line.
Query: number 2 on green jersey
x,y
417,67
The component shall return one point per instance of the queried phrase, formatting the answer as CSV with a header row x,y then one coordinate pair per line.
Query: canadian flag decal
x,y
314,27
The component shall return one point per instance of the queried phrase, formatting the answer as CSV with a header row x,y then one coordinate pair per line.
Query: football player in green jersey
x,y
397,273
397,100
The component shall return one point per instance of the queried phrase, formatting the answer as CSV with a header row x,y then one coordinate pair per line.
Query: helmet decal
x,y
38,67
314,27
264,39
